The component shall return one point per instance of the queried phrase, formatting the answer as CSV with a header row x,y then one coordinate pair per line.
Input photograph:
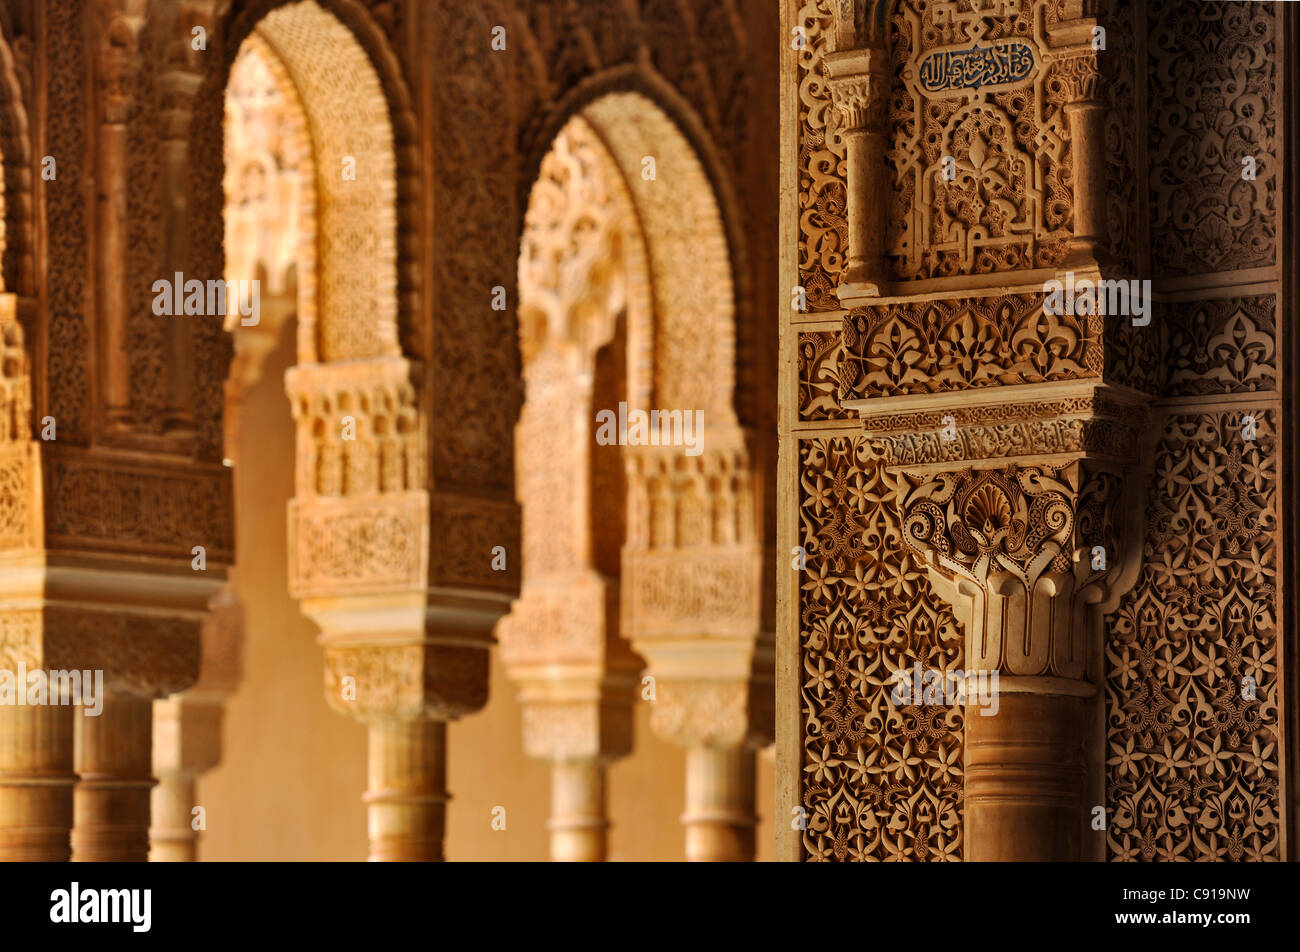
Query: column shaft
x,y
407,796
172,837
36,780
578,823
1025,779
866,212
1087,132
115,775
719,815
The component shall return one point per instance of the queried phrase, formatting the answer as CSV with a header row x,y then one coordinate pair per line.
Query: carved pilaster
x,y
1026,519
1076,66
117,61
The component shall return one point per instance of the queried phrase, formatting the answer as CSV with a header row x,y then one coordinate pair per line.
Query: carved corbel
x,y
859,81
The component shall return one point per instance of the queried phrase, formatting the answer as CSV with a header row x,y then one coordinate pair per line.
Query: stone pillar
x,y
114,777
143,634
720,815
1026,779
859,86
405,650
578,823
576,680
562,642
691,608
407,792
1030,548
36,781
187,734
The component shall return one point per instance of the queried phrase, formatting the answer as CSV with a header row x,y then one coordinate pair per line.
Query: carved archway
x,y
359,520
623,236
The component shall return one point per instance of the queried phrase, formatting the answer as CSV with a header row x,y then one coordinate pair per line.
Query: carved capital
x,y
142,629
1080,72
859,85
405,655
431,680
1026,554
116,66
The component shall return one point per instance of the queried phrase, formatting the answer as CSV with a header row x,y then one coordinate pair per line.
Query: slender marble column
x,y
720,817
36,781
407,797
114,758
578,824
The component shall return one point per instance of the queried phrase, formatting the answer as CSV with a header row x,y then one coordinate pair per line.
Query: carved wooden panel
x,y
879,782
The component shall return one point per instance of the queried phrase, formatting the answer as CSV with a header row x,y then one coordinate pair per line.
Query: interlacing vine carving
x,y
823,168
956,344
1192,687
879,782
1217,62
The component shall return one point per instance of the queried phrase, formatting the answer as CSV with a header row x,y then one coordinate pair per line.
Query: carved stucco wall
x,y
1194,760
1192,767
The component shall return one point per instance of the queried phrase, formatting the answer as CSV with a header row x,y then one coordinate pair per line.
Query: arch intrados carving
x,y
286,284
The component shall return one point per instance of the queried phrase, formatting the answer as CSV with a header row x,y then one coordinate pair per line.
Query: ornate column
x,y
116,64
691,608
1077,66
180,83
561,642
76,597
1027,521
187,733
859,86
402,654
